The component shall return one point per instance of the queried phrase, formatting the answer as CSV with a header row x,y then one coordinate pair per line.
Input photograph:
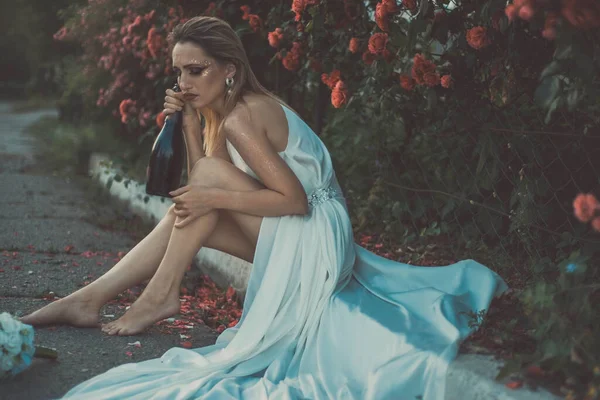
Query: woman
x,y
323,318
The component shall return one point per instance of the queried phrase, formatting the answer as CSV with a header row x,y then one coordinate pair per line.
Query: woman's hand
x,y
191,202
174,102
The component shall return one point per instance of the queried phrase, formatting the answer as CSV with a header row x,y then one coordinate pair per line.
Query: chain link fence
x,y
503,191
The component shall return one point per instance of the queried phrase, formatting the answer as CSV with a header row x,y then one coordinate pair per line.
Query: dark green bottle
x,y
166,159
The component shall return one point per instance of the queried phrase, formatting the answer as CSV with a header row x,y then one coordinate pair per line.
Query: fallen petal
x,y
514,384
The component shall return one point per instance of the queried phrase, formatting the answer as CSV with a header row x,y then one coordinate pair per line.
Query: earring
x,y
229,84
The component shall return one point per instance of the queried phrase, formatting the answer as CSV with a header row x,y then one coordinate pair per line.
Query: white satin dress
x,y
323,318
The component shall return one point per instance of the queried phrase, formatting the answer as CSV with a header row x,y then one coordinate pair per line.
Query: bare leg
x,y
81,307
160,299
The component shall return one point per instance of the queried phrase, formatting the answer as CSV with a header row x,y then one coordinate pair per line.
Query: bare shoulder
x,y
253,108
258,114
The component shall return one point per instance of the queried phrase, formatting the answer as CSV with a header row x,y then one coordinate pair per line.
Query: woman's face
x,y
200,77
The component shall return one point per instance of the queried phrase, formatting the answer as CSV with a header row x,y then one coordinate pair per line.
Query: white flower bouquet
x,y
16,346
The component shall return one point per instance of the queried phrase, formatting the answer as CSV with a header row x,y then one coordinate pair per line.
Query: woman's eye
x,y
195,71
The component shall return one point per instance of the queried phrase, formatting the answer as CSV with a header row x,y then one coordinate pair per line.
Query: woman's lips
x,y
189,96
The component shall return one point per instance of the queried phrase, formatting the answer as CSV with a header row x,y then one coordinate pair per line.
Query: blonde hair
x,y
219,41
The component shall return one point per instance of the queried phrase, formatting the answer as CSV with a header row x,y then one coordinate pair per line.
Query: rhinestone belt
x,y
321,195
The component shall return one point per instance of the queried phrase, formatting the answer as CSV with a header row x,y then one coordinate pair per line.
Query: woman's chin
x,y
197,103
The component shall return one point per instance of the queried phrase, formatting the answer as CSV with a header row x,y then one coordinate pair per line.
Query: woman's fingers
x,y
175,95
171,102
185,222
182,214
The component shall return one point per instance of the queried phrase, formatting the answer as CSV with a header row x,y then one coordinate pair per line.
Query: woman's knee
x,y
206,171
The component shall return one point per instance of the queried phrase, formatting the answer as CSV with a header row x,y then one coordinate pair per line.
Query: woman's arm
x,y
192,135
284,194
262,202
192,128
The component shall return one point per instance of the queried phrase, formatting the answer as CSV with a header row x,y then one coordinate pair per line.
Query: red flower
x,y
583,14
422,68
381,18
584,206
275,37
339,94
447,81
368,57
332,79
390,5
549,31
291,61
126,107
61,34
596,224
407,83
477,37
154,42
526,12
298,7
410,5
255,22
377,43
353,45
148,17
230,294
352,9
246,10
511,11
160,119
431,79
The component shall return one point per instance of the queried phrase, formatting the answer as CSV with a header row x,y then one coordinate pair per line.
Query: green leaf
x,y
309,27
547,91
485,146
573,98
551,69
553,106
563,51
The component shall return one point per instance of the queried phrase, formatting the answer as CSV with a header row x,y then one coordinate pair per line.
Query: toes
x,y
109,328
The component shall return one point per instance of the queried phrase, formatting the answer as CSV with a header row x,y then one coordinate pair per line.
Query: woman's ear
x,y
230,70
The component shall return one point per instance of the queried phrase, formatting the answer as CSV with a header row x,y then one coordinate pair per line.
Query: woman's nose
x,y
183,85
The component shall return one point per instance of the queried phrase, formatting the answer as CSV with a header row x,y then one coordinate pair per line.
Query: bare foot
x,y
143,313
69,311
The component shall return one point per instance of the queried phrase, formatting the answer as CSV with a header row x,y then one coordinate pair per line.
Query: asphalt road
x,y
54,238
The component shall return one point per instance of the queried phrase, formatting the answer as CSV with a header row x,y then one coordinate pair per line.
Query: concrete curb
x,y
470,376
